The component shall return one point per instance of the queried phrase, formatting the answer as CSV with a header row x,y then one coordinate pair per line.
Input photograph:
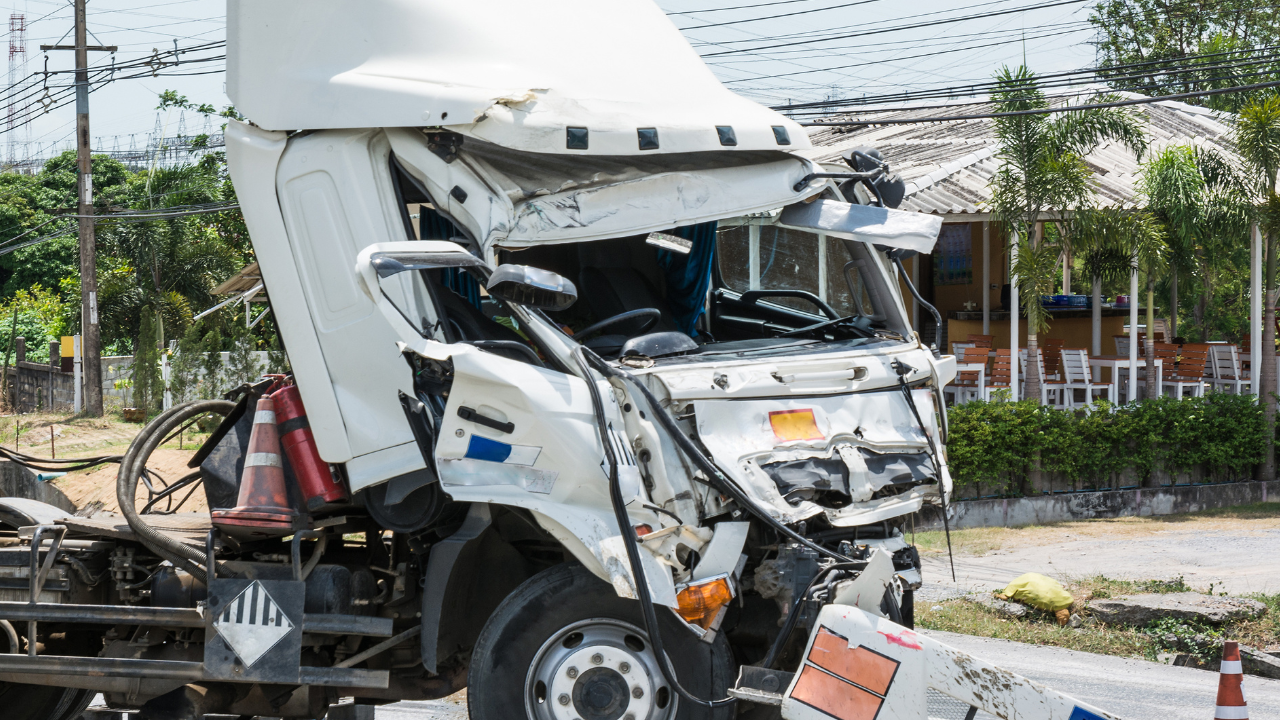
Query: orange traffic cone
x,y
263,508
1231,704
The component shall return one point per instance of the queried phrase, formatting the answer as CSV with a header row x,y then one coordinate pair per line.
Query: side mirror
x,y
532,287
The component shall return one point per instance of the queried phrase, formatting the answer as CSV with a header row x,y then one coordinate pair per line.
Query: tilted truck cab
x,y
604,403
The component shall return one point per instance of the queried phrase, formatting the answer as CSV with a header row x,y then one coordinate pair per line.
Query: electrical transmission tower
x,y
17,65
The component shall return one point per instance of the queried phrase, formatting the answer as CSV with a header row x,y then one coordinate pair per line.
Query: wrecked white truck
x,y
604,404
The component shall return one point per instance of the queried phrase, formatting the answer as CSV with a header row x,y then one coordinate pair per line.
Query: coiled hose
x,y
134,464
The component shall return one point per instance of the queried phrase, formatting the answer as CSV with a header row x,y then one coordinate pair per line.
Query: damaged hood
x,y
530,76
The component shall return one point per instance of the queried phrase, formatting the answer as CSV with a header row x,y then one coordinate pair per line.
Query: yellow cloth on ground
x,y
1039,591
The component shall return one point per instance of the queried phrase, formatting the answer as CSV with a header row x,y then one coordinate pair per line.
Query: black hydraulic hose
x,y
718,480
134,464
632,545
783,635
903,371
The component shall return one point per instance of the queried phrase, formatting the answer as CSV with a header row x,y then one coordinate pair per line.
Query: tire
x,y
564,646
42,702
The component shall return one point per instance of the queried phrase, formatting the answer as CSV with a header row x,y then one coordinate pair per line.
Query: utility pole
x,y
91,339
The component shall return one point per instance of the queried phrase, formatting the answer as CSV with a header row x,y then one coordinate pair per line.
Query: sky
x,y
895,46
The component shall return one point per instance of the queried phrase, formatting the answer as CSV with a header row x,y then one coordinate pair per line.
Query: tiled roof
x,y
947,165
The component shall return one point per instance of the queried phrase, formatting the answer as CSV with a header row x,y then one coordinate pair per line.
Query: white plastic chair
x,y
1227,371
1075,366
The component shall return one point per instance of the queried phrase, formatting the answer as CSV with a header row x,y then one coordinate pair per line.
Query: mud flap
x,y
859,666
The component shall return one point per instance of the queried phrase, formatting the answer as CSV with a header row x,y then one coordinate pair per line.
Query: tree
x,y
1163,47
1257,138
1043,177
1198,197
148,385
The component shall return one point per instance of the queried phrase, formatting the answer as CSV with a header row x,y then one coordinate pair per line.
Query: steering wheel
x,y
651,315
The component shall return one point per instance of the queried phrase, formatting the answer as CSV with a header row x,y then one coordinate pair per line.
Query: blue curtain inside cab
x,y
434,226
688,277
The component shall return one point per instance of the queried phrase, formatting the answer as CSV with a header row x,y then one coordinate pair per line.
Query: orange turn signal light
x,y
795,425
701,603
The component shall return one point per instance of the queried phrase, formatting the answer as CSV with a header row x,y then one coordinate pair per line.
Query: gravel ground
x,y
1238,562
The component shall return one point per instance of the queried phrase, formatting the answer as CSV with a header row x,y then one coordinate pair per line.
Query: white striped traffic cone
x,y
1231,704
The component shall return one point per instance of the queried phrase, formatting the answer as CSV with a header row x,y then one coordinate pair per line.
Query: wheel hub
x,y
597,670
601,694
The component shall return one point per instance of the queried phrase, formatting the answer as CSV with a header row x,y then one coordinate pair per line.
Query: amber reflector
x,y
699,604
795,425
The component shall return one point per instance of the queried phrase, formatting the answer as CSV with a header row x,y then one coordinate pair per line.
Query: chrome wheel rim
x,y
598,669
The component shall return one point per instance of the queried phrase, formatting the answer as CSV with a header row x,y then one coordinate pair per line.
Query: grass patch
x,y
1163,636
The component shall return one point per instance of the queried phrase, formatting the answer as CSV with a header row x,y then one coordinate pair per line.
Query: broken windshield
x,y
847,276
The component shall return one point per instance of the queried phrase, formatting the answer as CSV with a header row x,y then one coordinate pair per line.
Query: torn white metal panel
x,y
741,439
876,225
549,412
515,199
800,375
611,68
654,202
336,198
867,590
723,552
253,155
859,665
484,213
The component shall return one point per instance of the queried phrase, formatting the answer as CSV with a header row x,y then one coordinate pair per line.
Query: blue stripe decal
x,y
482,448
1080,713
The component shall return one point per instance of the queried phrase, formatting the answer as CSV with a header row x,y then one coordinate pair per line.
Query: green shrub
x,y
999,443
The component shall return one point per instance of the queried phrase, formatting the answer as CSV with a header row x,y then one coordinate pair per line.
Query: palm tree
x,y
1257,139
1198,196
166,265
1112,243
1043,178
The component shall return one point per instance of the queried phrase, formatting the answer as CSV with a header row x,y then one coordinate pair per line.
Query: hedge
x,y
1000,443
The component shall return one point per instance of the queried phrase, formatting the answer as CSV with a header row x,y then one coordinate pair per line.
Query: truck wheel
x,y
42,702
564,646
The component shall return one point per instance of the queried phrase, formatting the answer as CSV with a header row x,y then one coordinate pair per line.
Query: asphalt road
x,y
1129,689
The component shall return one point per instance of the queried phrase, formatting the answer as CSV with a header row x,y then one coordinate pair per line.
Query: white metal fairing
x,y
253,155
330,198
513,73
859,665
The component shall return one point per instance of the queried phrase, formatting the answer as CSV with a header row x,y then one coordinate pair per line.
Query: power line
x,y
1039,81
775,17
877,31
739,7
905,57
1045,111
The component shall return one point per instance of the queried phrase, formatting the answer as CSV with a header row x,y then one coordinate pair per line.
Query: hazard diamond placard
x,y
252,623
254,630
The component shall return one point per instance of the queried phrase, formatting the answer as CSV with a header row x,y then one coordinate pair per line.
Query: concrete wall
x,y
1140,502
17,481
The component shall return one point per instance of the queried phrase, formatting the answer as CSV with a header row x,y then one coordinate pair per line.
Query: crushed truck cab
x,y
604,403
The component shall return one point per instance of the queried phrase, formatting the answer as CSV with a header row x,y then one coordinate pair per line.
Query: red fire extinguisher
x,y
314,477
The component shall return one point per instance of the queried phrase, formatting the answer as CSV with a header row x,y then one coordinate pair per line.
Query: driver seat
x,y
615,290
